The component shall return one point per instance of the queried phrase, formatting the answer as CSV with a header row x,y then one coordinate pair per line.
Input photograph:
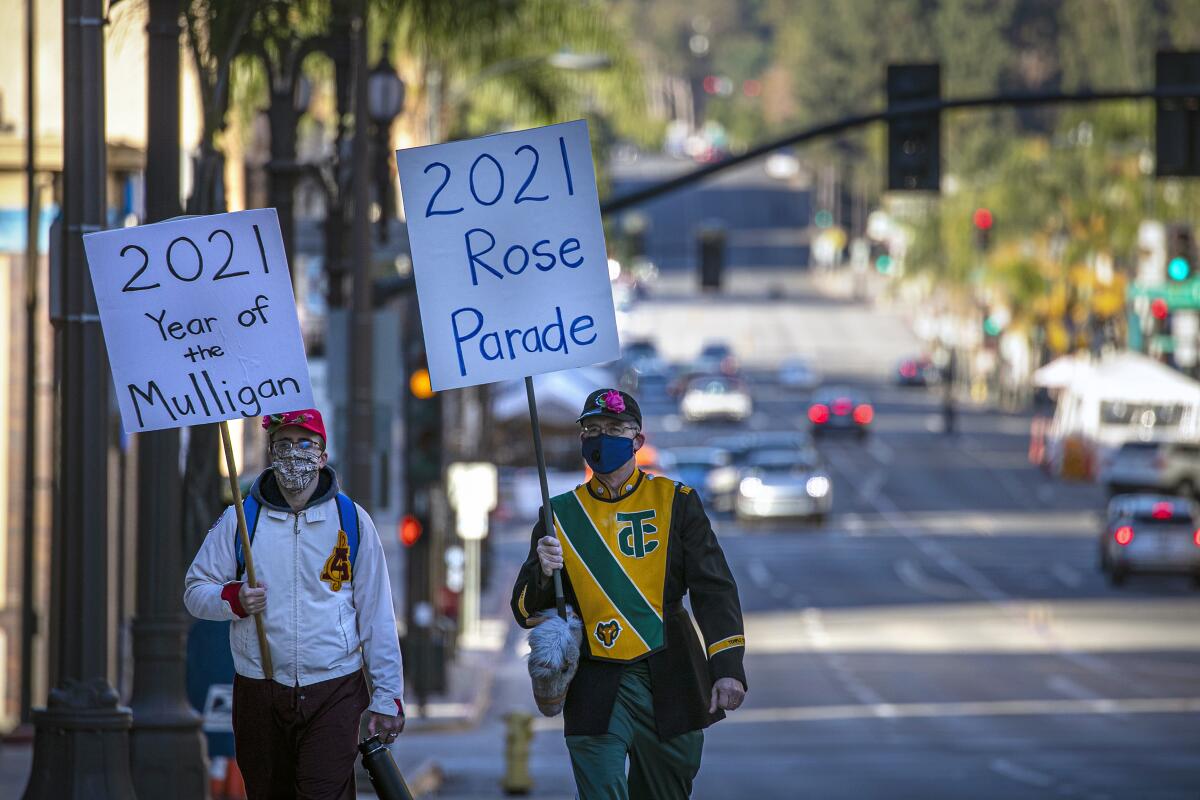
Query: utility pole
x,y
167,747
81,744
361,339
33,207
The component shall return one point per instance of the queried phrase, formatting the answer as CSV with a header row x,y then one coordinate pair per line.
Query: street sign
x,y
472,491
199,320
1178,296
508,255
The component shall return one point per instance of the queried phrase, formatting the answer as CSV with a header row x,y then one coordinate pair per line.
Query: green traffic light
x,y
1179,269
823,218
884,264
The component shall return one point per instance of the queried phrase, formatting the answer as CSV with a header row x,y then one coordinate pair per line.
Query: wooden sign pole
x,y
231,468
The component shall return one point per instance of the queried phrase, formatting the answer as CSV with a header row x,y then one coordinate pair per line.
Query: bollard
x,y
517,737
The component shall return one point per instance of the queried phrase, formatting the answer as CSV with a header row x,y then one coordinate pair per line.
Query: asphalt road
x,y
946,633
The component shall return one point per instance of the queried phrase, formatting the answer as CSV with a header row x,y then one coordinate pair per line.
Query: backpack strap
x,y
251,507
348,519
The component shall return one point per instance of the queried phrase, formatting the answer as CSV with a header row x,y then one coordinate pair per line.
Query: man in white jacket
x,y
326,604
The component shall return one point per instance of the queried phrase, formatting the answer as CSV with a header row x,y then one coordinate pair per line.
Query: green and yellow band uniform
x,y
629,560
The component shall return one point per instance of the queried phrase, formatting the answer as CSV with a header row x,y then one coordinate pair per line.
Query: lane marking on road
x,y
759,574
911,575
983,708
1067,575
1032,777
980,583
882,453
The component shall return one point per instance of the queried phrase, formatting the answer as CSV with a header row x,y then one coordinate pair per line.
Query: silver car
x,y
1154,466
1151,533
784,483
716,397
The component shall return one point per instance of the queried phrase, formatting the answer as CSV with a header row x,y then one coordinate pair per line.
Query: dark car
x,y
1151,533
840,409
919,371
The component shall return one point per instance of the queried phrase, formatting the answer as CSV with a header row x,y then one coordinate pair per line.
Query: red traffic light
x,y
982,219
410,530
1159,308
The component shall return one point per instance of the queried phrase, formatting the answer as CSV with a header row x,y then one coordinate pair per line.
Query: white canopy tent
x,y
1062,371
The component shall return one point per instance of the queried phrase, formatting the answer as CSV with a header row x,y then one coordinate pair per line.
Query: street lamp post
x,y
385,102
290,96
81,744
362,333
167,748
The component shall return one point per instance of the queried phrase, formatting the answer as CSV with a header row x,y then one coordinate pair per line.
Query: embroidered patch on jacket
x,y
607,632
337,566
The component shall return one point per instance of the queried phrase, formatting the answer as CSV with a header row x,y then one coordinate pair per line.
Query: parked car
x,y
840,408
716,397
779,483
1171,467
918,371
1150,533
710,471
796,373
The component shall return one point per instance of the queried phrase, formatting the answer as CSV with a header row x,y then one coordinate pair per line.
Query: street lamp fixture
x,y
385,102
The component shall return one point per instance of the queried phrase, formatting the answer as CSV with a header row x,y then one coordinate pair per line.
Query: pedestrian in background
x,y
631,545
326,603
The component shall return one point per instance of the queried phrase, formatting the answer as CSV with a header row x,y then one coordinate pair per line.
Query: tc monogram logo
x,y
634,539
607,632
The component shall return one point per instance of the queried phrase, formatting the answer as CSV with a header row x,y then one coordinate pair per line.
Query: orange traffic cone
x,y
235,787
218,771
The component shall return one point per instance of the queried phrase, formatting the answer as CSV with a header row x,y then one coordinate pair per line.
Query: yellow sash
x,y
615,553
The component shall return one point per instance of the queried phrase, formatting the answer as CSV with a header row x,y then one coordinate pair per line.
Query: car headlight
x,y
817,486
750,486
722,479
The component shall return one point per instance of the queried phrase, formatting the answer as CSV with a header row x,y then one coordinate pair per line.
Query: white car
x,y
785,483
795,373
716,397
1172,467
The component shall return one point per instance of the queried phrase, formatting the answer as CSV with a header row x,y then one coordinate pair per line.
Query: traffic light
x,y
914,141
422,419
982,221
712,258
1177,119
1160,315
1181,254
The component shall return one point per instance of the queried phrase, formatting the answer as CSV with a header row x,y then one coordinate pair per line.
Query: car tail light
x,y
908,369
1124,535
864,414
1161,511
818,414
1196,538
842,406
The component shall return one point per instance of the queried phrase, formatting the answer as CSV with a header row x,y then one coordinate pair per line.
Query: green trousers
x,y
658,770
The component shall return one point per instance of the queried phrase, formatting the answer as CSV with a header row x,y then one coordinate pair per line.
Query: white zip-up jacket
x,y
316,633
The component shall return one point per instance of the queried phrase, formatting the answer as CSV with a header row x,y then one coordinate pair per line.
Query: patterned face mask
x,y
296,469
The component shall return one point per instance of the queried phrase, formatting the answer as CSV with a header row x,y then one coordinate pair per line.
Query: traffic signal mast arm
x,y
897,112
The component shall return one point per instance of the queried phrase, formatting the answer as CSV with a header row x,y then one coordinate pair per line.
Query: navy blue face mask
x,y
605,454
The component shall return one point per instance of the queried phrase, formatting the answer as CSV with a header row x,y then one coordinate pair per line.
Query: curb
x,y
458,724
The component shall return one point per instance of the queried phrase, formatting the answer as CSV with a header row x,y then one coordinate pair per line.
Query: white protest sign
x,y
508,255
199,320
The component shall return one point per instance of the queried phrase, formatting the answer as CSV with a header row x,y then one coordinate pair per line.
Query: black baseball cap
x,y
611,403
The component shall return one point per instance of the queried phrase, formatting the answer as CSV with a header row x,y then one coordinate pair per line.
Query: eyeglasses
x,y
612,429
285,446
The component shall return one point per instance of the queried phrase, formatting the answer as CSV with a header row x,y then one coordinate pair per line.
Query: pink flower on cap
x,y
613,401
309,419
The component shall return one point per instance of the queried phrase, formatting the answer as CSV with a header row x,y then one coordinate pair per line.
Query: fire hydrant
x,y
516,753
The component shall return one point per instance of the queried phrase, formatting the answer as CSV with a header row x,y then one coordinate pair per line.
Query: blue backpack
x,y
347,519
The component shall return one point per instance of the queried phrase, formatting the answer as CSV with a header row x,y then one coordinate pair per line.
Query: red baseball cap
x,y
309,419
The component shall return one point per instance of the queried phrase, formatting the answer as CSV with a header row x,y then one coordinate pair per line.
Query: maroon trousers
x,y
298,742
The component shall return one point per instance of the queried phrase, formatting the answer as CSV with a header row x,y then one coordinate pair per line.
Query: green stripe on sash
x,y
600,560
